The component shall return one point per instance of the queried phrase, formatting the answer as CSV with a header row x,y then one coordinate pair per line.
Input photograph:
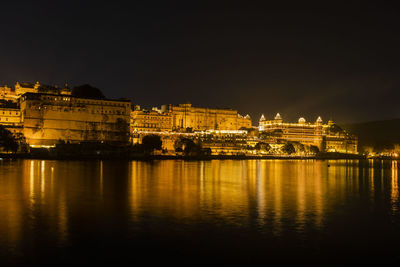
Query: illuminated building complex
x,y
303,132
9,94
51,118
150,120
10,118
185,116
337,140
46,115
308,133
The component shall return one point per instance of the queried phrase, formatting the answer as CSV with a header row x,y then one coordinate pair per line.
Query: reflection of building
x,y
328,137
185,116
150,120
49,118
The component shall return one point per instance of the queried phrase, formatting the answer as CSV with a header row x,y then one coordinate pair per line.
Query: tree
x,y
178,145
252,132
7,140
151,142
314,149
188,146
288,148
265,134
334,129
87,91
191,148
206,151
299,147
262,146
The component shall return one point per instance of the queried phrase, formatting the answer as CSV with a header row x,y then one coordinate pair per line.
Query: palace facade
x,y
302,132
308,133
7,94
186,117
45,115
52,118
13,95
338,140
153,120
10,118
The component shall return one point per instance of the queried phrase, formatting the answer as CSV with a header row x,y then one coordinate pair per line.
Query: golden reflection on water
x,y
301,191
101,178
273,195
28,189
371,177
395,187
181,189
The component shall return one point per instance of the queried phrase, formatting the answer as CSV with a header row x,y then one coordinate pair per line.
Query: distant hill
x,y
378,134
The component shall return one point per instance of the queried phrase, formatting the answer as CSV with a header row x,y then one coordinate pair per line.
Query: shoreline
x,y
324,156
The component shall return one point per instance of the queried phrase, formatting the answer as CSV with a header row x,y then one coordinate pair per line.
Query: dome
x,y
302,120
248,116
262,118
319,119
278,116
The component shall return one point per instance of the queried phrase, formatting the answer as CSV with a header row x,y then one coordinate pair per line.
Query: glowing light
x,y
42,146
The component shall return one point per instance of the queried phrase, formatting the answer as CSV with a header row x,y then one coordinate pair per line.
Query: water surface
x,y
227,211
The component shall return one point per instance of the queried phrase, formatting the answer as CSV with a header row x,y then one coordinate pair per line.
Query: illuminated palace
x,y
10,112
324,136
153,120
47,115
49,119
10,118
44,115
185,116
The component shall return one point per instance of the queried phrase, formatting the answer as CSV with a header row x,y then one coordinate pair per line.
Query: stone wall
x,y
49,119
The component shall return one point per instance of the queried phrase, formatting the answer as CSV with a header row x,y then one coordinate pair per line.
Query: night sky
x,y
337,61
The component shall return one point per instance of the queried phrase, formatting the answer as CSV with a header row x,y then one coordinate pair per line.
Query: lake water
x,y
198,212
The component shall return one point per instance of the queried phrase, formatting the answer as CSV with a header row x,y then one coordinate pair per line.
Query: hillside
x,y
378,134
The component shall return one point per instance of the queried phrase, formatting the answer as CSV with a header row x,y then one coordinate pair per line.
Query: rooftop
x,y
38,95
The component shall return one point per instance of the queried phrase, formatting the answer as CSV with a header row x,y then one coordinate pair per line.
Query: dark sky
x,y
338,61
